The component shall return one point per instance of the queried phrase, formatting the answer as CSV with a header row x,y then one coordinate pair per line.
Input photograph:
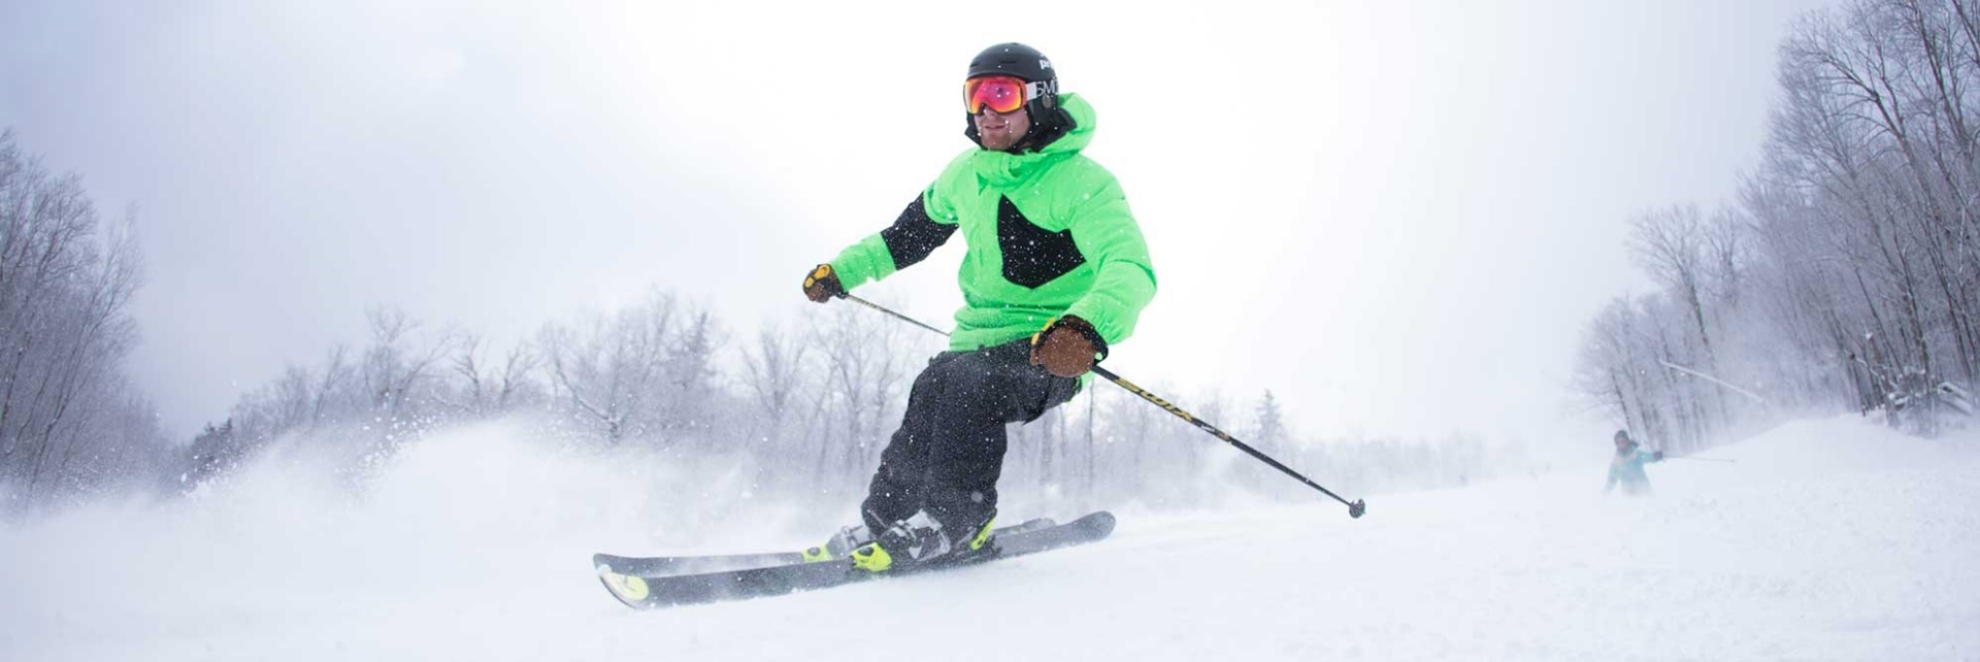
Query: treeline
x,y
70,421
796,413
1848,270
649,377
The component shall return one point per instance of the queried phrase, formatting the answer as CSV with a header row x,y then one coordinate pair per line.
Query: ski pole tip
x,y
1356,509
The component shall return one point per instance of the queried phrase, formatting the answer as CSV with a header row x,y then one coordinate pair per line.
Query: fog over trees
x,y
797,414
1847,272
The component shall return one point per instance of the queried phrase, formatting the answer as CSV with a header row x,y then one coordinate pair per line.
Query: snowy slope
x,y
1829,539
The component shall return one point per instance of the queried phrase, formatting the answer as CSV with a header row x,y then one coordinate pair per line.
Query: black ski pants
x,y
949,451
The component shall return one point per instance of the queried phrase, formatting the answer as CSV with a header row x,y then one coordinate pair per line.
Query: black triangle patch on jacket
x,y
1032,255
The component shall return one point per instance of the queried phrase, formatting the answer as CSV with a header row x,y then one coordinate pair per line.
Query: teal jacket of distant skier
x,y
1048,233
1626,469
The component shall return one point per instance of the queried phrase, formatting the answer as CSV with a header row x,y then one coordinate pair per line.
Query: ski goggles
x,y
1004,94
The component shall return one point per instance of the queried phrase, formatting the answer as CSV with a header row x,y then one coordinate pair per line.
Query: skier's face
x,y
999,131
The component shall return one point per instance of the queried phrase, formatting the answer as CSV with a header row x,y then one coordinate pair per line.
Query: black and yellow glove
x,y
821,285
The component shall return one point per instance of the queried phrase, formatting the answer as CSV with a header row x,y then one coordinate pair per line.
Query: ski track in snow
x,y
1830,539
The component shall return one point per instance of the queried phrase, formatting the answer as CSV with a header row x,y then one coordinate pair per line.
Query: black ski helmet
x,y
1048,120
1015,59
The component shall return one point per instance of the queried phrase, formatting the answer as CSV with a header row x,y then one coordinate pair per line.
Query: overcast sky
x,y
1396,216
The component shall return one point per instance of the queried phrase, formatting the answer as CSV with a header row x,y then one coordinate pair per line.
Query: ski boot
x,y
918,541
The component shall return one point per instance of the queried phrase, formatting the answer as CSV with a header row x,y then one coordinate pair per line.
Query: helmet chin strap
x,y
1030,130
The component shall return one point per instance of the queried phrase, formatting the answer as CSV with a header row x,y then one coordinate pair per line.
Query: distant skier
x,y
1626,468
1056,272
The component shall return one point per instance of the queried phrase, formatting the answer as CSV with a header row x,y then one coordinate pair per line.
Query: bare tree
x,y
608,374
773,374
392,370
865,362
1670,244
66,285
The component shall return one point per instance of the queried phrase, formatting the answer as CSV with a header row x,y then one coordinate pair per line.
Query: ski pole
x,y
889,311
1702,459
1355,508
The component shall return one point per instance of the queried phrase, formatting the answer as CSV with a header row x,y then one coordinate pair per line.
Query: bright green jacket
x,y
1049,234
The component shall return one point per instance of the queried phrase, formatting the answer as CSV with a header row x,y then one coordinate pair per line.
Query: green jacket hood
x,y
1081,134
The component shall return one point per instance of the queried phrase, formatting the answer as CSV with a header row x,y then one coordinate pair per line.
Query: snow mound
x,y
1829,539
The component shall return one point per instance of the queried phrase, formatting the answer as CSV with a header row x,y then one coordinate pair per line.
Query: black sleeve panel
x,y
914,235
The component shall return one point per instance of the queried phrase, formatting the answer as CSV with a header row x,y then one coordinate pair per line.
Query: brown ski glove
x,y
1067,347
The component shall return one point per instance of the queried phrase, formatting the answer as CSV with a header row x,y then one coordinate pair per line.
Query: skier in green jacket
x,y
1056,273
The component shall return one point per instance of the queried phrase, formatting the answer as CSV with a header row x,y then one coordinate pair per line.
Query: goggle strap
x,y
1035,90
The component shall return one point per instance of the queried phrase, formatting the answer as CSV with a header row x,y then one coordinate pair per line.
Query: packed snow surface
x,y
1831,539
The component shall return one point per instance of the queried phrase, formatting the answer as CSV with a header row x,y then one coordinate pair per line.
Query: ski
x,y
656,566
646,591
